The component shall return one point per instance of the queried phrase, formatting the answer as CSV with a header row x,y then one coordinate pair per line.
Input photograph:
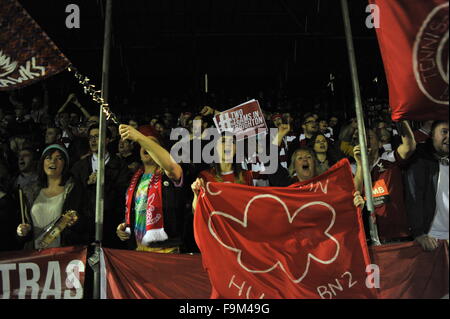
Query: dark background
x,y
280,52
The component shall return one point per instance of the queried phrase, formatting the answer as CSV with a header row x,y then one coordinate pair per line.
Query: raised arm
x,y
86,114
358,179
408,146
69,99
283,129
156,151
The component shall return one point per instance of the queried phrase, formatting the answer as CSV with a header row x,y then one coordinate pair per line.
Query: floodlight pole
x,y
99,203
361,126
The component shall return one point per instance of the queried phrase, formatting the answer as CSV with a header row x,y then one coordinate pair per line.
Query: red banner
x,y
55,273
413,38
400,271
27,54
408,272
244,120
304,241
145,275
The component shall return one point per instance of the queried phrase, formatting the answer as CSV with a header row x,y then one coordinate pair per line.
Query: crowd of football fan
x,y
48,165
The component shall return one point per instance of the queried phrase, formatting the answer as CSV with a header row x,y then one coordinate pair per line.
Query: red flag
x,y
409,272
27,54
303,241
413,38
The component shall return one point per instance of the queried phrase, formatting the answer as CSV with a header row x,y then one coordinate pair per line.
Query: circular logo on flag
x,y
430,55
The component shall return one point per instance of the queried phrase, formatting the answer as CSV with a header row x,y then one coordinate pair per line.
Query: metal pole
x,y
361,126
101,146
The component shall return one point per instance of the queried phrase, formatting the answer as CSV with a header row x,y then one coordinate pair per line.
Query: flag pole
x,y
99,202
361,126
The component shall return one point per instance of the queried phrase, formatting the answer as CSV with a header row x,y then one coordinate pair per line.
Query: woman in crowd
x,y
225,168
325,155
59,193
155,200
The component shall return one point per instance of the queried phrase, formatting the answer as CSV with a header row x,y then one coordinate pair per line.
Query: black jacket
x,y
421,180
117,177
9,219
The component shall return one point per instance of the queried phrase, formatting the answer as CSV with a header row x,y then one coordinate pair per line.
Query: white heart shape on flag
x,y
243,223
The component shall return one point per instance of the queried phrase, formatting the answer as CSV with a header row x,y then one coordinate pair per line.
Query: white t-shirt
x,y
439,227
44,212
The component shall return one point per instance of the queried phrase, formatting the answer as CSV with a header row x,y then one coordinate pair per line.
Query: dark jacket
x,y
9,219
76,234
174,213
421,180
117,177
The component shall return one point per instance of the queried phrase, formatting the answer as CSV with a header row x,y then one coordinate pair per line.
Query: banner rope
x,y
95,94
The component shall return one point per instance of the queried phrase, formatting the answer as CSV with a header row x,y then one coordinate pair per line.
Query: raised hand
x,y
128,132
358,200
207,110
197,186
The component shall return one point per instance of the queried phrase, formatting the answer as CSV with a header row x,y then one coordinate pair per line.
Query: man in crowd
x,y
53,135
388,184
116,181
27,179
310,127
427,189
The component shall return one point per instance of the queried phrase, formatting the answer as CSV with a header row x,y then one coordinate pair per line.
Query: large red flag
x,y
27,54
303,241
413,38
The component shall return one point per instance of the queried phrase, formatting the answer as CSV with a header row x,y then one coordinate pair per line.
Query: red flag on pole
x,y
413,38
303,241
27,54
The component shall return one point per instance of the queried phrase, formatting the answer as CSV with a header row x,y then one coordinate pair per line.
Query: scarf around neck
x,y
154,221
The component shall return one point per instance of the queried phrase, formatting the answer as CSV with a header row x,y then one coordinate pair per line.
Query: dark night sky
x,y
163,47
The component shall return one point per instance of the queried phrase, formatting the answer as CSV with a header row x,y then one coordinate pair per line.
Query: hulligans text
x,y
244,287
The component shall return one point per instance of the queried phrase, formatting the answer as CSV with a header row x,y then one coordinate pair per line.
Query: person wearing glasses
x,y
310,127
117,176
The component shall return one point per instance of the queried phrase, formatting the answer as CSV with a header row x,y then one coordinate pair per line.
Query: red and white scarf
x,y
155,221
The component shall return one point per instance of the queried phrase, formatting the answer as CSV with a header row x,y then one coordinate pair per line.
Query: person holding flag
x,y
387,183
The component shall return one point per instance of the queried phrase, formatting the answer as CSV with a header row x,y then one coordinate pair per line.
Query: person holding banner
x,y
59,193
154,213
224,170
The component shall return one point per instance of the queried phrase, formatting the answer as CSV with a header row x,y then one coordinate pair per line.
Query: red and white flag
x,y
302,241
413,38
27,54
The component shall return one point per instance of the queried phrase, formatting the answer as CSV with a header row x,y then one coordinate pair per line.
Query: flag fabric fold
x,y
413,39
